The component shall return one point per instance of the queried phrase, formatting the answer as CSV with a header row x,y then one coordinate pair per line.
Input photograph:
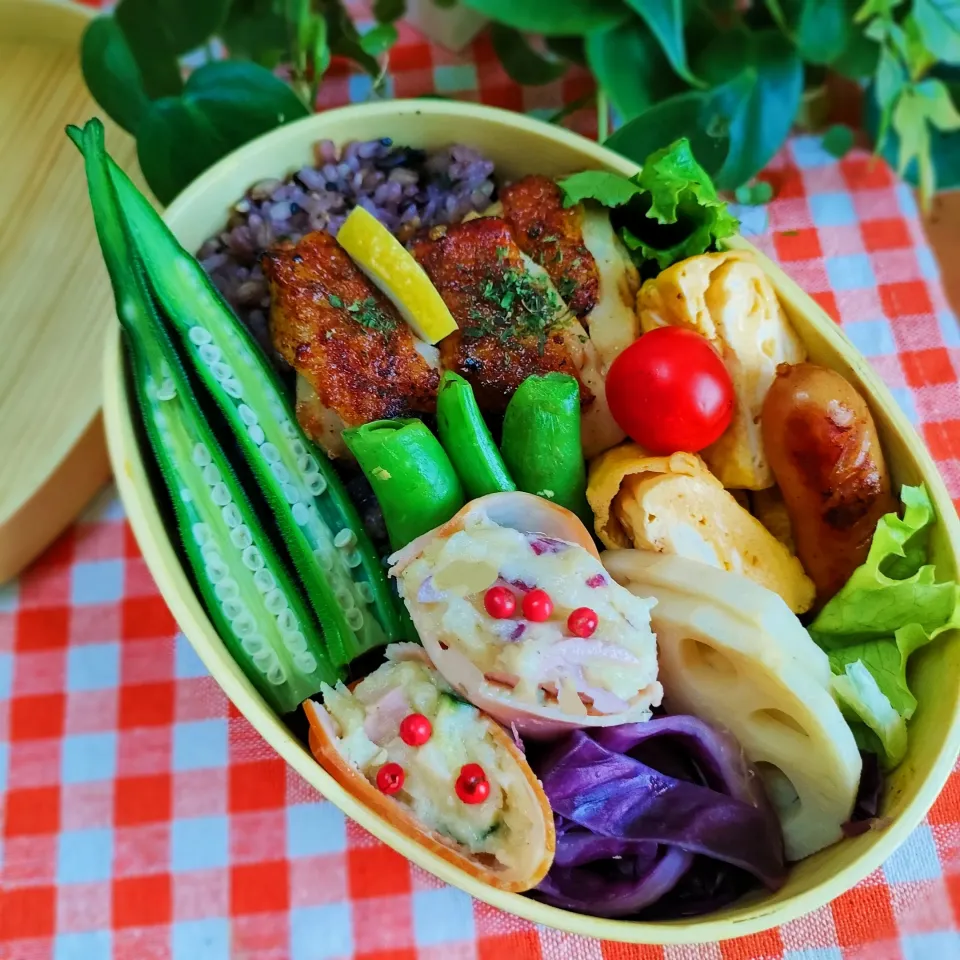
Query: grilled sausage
x,y
822,445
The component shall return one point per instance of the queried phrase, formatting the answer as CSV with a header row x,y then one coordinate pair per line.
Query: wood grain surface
x,y
57,302
943,230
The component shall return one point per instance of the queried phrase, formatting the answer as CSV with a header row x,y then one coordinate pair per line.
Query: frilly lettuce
x,y
891,606
859,694
674,192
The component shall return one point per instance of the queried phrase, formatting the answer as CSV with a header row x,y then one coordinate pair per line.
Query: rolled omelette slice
x,y
770,509
727,298
676,505
507,840
536,676
732,654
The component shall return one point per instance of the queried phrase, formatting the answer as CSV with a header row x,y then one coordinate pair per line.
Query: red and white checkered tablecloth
x,y
143,818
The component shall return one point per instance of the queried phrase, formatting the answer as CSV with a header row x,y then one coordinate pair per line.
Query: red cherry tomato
x,y
415,730
537,606
472,785
390,778
670,391
500,603
582,622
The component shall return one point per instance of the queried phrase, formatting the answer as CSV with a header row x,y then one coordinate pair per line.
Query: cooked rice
x,y
404,188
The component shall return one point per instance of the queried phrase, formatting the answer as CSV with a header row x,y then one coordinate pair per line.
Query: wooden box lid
x,y
56,299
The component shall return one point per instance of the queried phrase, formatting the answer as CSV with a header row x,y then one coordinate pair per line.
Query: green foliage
x,y
378,39
838,140
131,64
727,76
754,194
944,145
387,11
224,104
181,25
823,28
912,113
552,17
686,115
730,77
665,20
151,47
520,60
257,30
631,67
759,80
938,23
111,72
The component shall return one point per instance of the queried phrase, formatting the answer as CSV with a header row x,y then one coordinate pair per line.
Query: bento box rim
x,y
754,915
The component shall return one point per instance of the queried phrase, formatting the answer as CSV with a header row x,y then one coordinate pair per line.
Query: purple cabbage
x,y
665,818
866,810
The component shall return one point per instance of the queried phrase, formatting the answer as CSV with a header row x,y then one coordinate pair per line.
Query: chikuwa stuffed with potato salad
x,y
437,768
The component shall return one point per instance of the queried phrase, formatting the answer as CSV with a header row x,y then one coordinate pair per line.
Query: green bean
x,y
411,475
257,609
541,442
466,438
345,581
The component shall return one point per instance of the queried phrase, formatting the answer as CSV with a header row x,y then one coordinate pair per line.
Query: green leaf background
x,y
665,20
224,105
729,79
520,60
552,17
111,73
631,66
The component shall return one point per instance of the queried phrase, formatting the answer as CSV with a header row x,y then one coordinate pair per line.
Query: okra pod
x,y
344,579
467,440
541,442
411,475
257,609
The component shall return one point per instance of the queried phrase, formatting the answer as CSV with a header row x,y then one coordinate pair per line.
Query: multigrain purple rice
x,y
404,188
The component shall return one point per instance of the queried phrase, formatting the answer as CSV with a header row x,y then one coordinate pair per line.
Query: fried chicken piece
x,y
586,260
593,271
512,322
356,359
553,237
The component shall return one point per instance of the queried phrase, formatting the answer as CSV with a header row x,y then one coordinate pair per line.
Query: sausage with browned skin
x,y
822,446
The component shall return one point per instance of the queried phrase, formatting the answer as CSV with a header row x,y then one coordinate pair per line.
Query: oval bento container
x,y
519,145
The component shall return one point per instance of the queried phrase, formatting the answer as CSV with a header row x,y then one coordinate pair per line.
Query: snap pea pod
x,y
541,442
466,438
257,610
411,475
344,579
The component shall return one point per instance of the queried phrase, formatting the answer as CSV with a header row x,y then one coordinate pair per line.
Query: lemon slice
x,y
385,260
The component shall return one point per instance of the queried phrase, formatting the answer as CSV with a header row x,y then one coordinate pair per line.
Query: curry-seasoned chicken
x,y
589,265
727,298
553,237
356,360
512,322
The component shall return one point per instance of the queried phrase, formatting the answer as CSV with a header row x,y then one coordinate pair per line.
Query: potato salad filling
x,y
406,731
539,615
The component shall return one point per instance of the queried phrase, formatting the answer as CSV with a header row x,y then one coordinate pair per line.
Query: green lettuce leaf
x,y
894,587
672,208
608,189
683,200
857,690
891,606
